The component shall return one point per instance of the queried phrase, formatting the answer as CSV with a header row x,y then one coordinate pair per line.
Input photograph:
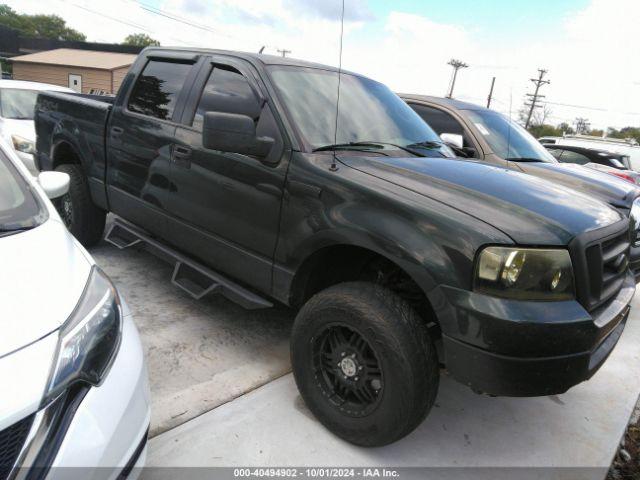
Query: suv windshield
x,y
19,208
18,104
370,114
507,139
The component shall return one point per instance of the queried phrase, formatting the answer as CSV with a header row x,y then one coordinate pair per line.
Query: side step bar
x,y
192,277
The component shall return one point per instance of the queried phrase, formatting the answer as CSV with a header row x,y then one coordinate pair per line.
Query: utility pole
x,y
535,95
457,65
582,125
493,82
284,52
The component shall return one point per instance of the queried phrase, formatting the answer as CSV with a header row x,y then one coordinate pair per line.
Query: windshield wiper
x,y
357,146
425,144
525,159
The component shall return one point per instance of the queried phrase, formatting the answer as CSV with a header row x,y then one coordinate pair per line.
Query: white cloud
x,y
592,61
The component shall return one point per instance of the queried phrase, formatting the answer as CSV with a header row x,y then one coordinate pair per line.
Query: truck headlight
x,y
524,273
23,145
89,339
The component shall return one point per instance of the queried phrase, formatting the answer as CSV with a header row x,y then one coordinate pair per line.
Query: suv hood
x,y
529,209
44,272
614,191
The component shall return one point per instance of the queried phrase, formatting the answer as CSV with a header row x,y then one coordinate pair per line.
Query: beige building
x,y
84,71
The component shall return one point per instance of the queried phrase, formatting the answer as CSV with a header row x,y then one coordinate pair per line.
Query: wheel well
x,y
343,263
64,153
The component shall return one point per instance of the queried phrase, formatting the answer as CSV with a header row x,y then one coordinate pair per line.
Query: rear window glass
x,y
156,91
18,104
18,205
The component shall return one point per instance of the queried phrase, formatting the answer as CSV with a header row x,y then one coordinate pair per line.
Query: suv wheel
x,y
78,212
364,363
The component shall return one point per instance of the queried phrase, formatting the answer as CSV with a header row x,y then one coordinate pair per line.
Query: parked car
x,y
601,160
398,256
626,147
73,376
478,133
17,104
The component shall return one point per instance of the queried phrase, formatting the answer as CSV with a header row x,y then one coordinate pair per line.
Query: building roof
x,y
78,58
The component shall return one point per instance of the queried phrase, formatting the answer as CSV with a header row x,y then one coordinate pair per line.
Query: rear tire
x,y
82,217
364,363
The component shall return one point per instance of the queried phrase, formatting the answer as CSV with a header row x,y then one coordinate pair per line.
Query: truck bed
x,y
78,121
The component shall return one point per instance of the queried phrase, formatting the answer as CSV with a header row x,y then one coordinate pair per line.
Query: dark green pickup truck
x,y
399,258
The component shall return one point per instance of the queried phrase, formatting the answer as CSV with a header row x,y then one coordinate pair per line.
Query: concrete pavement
x,y
200,354
271,427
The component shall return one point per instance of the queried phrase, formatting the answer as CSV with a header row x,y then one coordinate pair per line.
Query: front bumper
x,y
101,431
514,348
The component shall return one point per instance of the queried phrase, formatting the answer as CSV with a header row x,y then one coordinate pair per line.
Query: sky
x,y
589,47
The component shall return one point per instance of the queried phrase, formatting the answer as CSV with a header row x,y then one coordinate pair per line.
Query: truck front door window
x,y
226,91
157,88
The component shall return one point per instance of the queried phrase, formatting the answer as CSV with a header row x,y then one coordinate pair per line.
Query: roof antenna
x,y
262,50
334,166
510,120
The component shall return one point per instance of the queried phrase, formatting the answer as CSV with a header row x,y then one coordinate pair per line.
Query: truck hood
x,y
528,209
43,275
614,191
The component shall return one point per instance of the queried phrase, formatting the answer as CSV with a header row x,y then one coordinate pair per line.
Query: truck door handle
x,y
116,131
181,156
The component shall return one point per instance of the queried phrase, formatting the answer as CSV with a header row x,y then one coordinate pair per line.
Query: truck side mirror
x,y
452,139
234,133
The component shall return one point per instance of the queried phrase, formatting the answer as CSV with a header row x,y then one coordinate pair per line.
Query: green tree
x,y
45,26
141,40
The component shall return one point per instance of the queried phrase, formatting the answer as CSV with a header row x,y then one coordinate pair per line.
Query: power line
x,y
180,19
130,24
536,95
457,65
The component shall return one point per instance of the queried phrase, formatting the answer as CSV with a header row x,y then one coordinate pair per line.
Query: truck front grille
x,y
11,442
601,261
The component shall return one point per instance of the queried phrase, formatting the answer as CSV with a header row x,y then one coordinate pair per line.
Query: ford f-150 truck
x,y
399,258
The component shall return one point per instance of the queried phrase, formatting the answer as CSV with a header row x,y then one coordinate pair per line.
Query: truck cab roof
x,y
254,58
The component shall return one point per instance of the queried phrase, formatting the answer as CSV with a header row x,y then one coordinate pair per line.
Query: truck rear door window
x,y
157,88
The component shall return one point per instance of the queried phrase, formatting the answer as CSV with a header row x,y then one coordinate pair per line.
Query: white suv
x,y
17,108
73,380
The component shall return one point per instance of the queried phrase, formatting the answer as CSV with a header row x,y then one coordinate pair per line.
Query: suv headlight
x,y
89,339
524,273
23,145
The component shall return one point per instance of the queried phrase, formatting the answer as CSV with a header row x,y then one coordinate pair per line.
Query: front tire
x,y
364,363
82,217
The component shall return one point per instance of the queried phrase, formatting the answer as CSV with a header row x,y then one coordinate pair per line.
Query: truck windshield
x,y
19,208
18,104
507,139
370,114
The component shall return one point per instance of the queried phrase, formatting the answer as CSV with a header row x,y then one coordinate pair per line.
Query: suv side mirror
x,y
54,184
453,139
234,133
